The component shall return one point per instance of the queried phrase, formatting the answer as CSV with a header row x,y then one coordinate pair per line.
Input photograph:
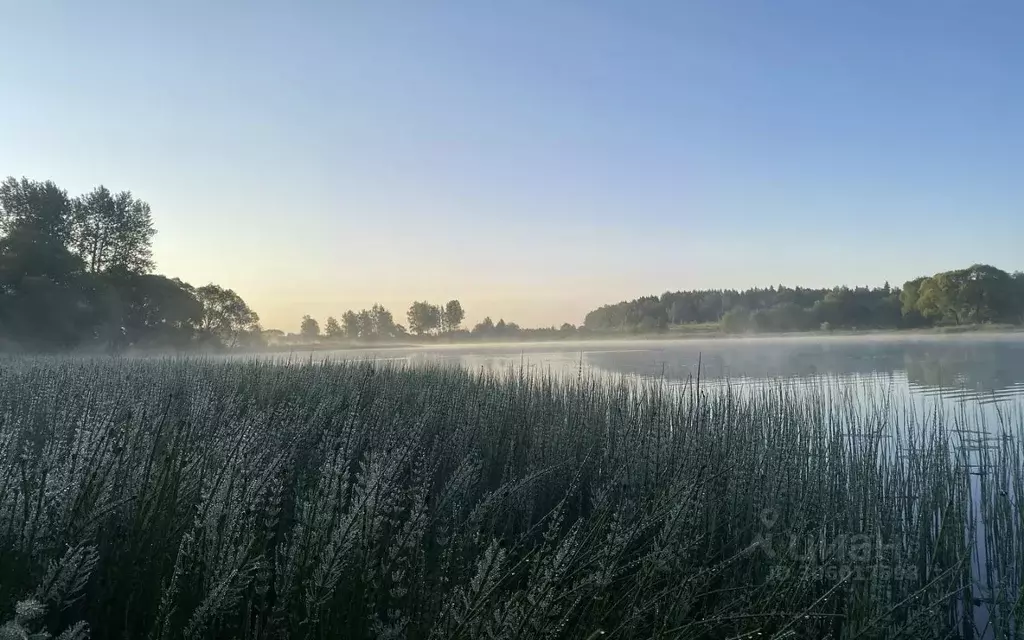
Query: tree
x,y
43,315
40,208
500,328
44,301
940,299
987,293
310,328
423,318
484,328
332,329
736,321
272,335
157,311
35,220
113,232
26,253
789,316
382,322
1017,280
75,272
452,316
225,315
366,329
910,294
350,324
979,293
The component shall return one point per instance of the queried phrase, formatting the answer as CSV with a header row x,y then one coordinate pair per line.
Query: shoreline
x,y
666,336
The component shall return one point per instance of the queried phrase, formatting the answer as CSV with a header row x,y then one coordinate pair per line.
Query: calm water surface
x,y
982,369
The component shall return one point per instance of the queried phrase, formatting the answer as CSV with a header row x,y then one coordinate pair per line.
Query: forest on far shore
x,y
978,295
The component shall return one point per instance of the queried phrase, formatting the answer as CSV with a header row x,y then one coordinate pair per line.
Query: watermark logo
x,y
831,557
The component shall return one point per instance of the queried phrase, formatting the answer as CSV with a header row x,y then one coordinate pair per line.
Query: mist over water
x,y
982,369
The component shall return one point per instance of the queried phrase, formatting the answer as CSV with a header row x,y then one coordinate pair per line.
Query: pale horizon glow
x,y
534,160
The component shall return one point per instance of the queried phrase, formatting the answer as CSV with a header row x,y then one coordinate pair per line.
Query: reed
x,y
192,498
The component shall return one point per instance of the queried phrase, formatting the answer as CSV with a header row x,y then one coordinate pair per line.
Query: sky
x,y
534,159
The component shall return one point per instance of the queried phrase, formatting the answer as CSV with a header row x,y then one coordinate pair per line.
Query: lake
x,y
982,369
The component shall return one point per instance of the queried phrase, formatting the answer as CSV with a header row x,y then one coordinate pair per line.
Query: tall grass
x,y
201,499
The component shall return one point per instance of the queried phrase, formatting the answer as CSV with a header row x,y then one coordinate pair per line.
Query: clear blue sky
x,y
533,158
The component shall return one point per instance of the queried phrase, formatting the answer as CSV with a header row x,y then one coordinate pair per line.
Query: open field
x,y
199,499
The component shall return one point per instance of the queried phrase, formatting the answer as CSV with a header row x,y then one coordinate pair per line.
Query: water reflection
x,y
980,368
984,369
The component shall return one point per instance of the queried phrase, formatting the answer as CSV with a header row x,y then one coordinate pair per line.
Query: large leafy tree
x,y
113,232
35,222
158,311
452,316
350,324
484,327
75,273
44,301
41,210
423,317
310,328
331,328
940,298
987,293
226,316
383,322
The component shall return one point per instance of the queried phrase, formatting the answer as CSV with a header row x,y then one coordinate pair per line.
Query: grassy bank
x,y
193,499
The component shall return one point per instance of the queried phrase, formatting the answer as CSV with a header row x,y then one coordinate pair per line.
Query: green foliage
x,y
736,321
484,327
351,324
423,318
375,323
225,315
382,323
243,499
332,329
452,316
978,294
113,232
489,330
309,328
75,275
41,209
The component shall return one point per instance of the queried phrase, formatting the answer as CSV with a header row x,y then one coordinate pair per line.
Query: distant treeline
x,y
76,274
979,294
426,321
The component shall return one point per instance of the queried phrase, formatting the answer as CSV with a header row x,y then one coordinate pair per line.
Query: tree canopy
x,y
309,328
77,273
978,294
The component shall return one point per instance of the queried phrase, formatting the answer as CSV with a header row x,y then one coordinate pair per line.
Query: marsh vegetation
x,y
191,498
